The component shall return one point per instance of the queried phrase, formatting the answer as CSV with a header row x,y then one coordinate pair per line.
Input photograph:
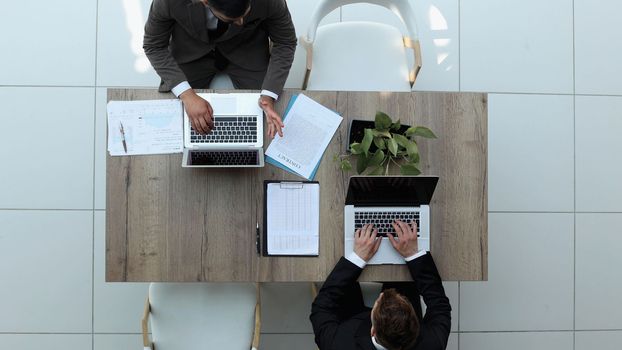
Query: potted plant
x,y
379,144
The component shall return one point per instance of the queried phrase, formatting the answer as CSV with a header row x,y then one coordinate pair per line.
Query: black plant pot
x,y
357,131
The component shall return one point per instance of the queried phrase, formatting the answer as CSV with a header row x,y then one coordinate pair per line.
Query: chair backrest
x,y
202,315
401,8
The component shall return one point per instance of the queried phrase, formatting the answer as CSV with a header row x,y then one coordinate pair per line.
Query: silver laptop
x,y
381,200
237,137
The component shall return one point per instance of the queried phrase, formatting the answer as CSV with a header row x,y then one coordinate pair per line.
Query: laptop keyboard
x,y
229,129
382,220
224,157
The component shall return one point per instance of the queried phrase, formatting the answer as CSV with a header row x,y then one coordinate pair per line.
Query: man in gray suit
x,y
189,41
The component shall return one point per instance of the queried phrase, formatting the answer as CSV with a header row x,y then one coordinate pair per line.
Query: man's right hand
x,y
406,242
199,111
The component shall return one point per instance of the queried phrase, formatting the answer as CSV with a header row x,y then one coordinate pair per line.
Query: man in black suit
x,y
341,320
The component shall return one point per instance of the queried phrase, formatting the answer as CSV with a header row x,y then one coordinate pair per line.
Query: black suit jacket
x,y
354,333
176,34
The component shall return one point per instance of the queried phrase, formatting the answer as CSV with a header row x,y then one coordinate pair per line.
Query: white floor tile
x,y
117,341
301,12
598,145
101,146
285,308
437,25
46,341
452,343
46,269
48,43
530,270
118,307
46,146
287,342
598,262
121,60
530,153
598,340
598,48
516,46
516,341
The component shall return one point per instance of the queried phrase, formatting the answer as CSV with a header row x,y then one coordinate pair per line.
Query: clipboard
x,y
289,186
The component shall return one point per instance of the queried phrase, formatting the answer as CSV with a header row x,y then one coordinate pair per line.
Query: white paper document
x,y
149,127
309,127
293,218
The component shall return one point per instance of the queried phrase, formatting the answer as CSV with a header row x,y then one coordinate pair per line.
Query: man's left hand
x,y
366,242
273,119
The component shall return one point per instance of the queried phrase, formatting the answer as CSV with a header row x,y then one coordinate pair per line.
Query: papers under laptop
x,y
237,138
381,200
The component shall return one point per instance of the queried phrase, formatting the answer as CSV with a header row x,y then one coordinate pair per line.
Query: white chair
x,y
202,316
361,56
221,81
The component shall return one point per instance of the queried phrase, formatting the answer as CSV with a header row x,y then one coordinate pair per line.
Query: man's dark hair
x,y
230,8
395,321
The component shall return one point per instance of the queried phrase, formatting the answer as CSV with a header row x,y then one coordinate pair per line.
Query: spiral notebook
x,y
292,218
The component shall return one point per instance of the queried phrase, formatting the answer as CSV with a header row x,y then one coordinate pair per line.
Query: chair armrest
x,y
308,46
416,47
257,331
147,344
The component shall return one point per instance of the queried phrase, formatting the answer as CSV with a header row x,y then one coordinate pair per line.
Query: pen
x,y
123,137
257,238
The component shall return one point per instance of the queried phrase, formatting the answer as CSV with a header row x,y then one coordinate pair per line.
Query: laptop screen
x,y
391,190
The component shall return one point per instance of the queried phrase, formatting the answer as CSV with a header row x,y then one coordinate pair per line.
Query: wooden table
x,y
168,223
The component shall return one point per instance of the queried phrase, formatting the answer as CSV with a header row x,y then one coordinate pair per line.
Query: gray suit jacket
x,y
176,34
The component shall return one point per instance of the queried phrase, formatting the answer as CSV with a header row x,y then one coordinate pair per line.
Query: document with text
x,y
309,127
145,127
292,218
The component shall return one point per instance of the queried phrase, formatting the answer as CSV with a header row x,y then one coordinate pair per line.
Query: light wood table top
x,y
168,223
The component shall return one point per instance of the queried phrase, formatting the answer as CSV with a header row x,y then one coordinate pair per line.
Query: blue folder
x,y
279,165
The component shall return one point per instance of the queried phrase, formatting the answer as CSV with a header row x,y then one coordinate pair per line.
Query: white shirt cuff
x,y
416,255
356,260
270,94
180,88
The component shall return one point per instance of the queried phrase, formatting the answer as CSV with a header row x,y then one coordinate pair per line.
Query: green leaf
x,y
392,145
379,142
409,169
346,165
414,159
361,163
383,121
396,126
379,170
376,159
356,148
420,131
381,133
411,146
367,139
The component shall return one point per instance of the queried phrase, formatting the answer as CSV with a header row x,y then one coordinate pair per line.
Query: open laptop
x,y
237,137
382,199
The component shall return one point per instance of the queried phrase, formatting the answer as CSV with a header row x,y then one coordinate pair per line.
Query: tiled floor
x,y
553,72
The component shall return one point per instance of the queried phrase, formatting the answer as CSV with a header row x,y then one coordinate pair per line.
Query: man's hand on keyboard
x,y
366,242
199,111
406,242
273,119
